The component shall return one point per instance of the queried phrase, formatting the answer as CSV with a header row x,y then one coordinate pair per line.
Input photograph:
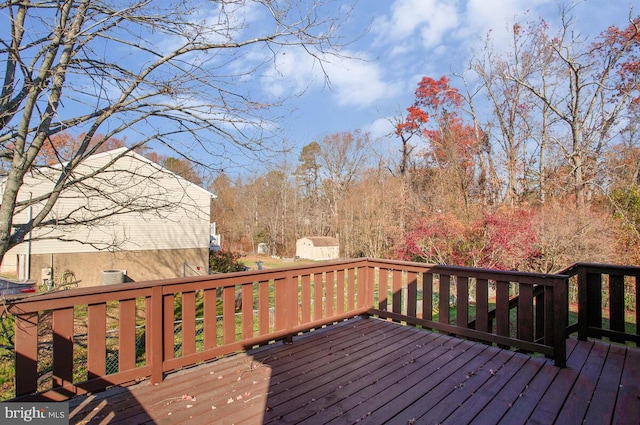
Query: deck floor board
x,y
627,408
443,400
533,391
519,368
361,371
549,407
375,371
607,387
582,391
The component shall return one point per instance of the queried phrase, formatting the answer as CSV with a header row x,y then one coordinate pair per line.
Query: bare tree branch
x,y
163,73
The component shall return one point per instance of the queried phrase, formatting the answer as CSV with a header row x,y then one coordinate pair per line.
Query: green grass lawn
x,y
272,263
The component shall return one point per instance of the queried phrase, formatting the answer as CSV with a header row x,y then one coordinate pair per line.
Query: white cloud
x,y
409,39
359,83
431,20
434,27
496,16
293,72
412,39
381,128
352,81
483,15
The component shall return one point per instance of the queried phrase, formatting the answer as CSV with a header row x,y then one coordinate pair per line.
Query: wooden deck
x,y
374,371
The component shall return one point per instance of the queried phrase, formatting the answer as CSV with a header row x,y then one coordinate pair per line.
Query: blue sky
x,y
397,42
409,39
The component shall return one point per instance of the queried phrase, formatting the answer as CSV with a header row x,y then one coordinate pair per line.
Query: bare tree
x,y
342,158
511,109
311,216
268,205
370,214
593,85
488,184
168,73
226,210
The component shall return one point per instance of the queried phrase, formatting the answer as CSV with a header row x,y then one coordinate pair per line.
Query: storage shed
x,y
318,248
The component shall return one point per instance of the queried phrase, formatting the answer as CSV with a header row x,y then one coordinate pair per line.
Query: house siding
x,y
138,266
176,218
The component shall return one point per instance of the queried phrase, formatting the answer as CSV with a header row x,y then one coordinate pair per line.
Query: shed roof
x,y
323,240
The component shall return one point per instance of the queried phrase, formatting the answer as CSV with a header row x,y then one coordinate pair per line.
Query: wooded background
x,y
527,160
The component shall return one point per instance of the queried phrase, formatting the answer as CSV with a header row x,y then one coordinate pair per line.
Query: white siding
x,y
304,248
177,211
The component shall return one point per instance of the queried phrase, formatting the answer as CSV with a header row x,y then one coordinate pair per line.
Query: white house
x,y
133,216
318,248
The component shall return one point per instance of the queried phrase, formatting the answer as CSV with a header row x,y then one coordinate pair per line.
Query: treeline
x,y
529,161
422,215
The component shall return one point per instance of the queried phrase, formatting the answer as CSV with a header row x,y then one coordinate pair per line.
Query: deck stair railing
x,y
141,330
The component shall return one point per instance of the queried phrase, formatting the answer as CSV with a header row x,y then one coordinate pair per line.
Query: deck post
x,y
155,322
616,305
365,286
62,347
97,340
290,304
560,315
583,314
593,305
26,353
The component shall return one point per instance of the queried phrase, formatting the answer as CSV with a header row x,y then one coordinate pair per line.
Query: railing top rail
x,y
96,294
602,268
471,271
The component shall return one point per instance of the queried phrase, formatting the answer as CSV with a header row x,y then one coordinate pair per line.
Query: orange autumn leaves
x,y
434,116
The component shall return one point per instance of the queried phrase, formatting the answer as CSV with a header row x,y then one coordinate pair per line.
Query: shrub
x,y
226,262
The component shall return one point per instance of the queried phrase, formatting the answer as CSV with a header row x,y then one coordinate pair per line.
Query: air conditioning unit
x,y
47,274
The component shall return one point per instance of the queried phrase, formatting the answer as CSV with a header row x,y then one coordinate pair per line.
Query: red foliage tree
x,y
437,239
432,97
453,142
511,239
504,239
453,145
625,44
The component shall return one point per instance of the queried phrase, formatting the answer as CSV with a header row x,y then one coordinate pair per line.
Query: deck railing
x,y
607,301
85,339
476,303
